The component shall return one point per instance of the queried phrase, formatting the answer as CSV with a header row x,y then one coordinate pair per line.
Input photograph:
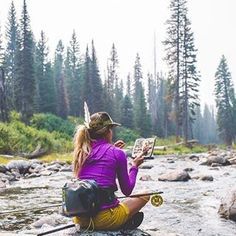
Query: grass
x,y
66,157
4,160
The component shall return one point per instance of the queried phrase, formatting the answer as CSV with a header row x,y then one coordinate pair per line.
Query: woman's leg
x,y
135,204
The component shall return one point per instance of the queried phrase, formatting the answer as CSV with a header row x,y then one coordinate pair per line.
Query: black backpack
x,y
81,198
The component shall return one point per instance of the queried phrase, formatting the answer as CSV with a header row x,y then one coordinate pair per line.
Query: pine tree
x,y
62,102
97,89
174,49
1,49
141,118
50,96
73,77
44,78
127,117
25,68
190,81
224,92
116,82
4,111
87,80
12,39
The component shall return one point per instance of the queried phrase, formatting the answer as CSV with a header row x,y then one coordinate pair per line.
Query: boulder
x,y
7,176
54,167
194,158
177,175
3,169
52,220
227,207
143,166
206,178
146,178
188,169
2,184
22,165
220,159
66,169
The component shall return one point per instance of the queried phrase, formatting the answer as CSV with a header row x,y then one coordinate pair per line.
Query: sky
x,y
131,25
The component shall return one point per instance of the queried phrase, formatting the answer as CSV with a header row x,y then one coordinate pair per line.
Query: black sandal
x,y
134,222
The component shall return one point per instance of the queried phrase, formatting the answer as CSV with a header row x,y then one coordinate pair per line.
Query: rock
x,y
194,158
214,168
22,165
66,169
177,175
189,169
171,161
2,184
8,176
146,178
16,173
55,167
216,165
220,159
3,169
46,173
52,220
227,207
33,175
206,178
146,167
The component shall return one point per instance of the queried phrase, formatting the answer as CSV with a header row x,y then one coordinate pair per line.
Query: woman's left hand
x,y
119,143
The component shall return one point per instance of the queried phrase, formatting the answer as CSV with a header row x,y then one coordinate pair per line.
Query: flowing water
x,y
189,208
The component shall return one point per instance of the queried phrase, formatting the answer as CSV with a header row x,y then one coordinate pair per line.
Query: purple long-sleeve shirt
x,y
104,164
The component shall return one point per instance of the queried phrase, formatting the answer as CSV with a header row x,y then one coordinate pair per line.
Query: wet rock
x,y
52,220
2,184
227,207
8,176
194,158
146,167
177,175
22,165
146,178
206,178
66,169
33,175
171,161
217,159
3,169
55,167
214,168
46,173
16,173
189,169
216,165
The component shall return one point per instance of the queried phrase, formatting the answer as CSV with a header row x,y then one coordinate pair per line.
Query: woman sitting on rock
x,y
96,158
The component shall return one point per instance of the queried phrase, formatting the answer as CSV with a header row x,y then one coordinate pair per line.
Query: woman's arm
x,y
126,179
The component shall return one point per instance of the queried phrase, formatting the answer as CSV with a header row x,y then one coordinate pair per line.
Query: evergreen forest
x,y
37,89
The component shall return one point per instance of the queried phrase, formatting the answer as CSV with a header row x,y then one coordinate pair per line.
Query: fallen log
x,y
38,152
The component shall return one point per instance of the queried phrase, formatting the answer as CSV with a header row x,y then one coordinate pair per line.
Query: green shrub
x,y
127,135
52,123
16,137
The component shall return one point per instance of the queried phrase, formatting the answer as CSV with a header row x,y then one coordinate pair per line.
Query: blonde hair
x,y
82,148
82,145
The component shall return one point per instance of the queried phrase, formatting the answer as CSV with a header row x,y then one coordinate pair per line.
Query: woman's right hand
x,y
138,160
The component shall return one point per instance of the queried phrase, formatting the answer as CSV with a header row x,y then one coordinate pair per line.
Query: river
x,y
189,208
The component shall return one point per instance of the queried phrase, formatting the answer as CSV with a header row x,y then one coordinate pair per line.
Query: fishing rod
x,y
56,230
156,200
